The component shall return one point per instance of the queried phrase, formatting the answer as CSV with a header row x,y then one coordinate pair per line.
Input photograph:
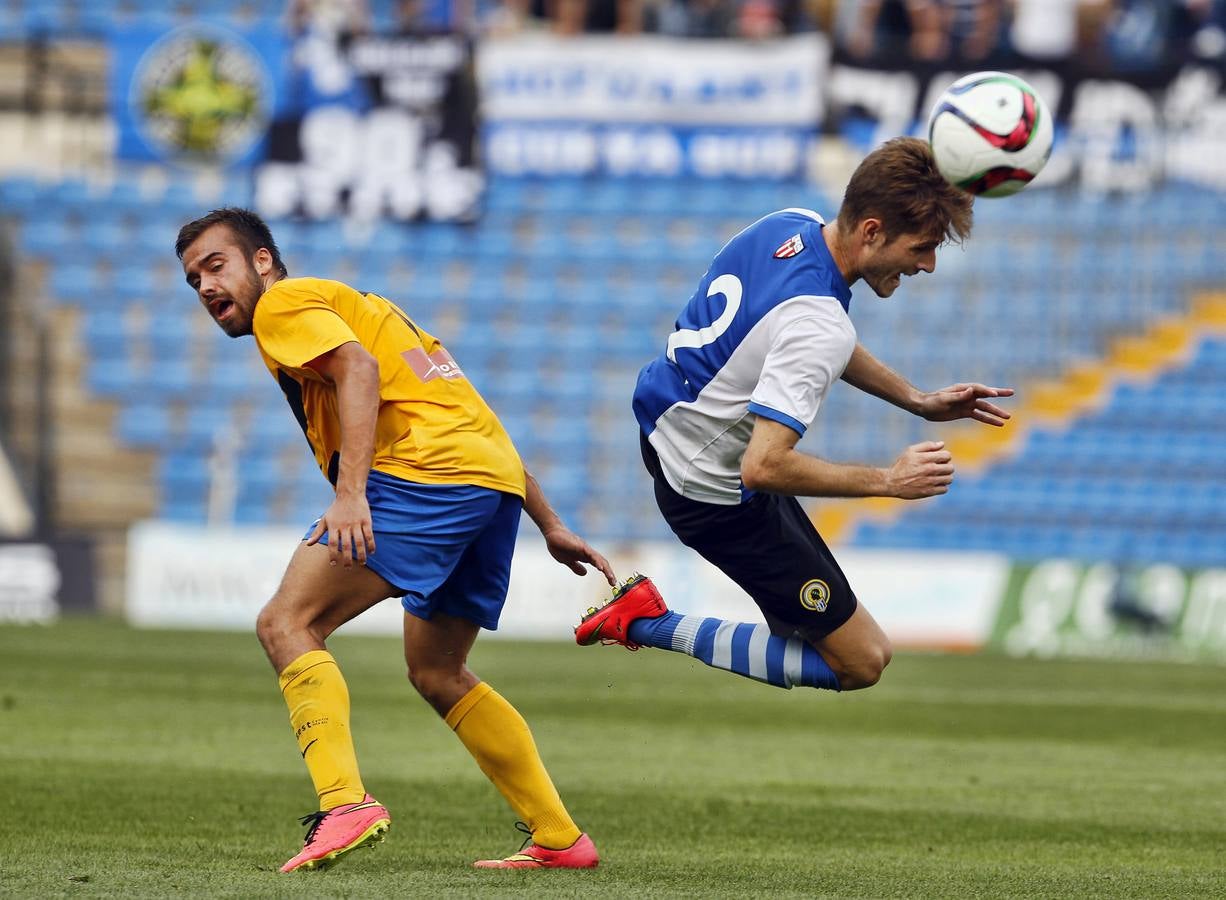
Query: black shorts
x,y
769,547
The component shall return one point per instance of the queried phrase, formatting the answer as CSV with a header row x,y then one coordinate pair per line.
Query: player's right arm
x,y
354,373
772,464
299,330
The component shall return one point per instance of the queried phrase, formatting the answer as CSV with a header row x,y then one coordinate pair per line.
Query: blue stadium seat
x,y
20,195
274,429
106,334
170,333
172,379
144,426
47,237
506,195
72,282
113,378
191,509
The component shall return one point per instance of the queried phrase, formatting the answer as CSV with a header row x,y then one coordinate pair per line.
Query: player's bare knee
x,y
270,629
873,663
441,686
866,668
281,633
429,682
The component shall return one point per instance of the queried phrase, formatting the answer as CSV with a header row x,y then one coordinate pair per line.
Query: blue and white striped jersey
x,y
765,334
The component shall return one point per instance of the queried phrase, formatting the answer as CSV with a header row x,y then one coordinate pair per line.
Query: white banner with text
x,y
192,577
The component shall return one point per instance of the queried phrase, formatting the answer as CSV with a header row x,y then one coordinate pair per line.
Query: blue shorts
x,y
447,547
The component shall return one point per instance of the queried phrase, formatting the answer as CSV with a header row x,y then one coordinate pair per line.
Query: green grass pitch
x,y
158,764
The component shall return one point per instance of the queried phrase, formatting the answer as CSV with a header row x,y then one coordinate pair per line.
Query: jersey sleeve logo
x,y
429,366
790,247
815,595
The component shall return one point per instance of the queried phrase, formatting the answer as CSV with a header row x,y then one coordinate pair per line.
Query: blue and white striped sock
x,y
740,647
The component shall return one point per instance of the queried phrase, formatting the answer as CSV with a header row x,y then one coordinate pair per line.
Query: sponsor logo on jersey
x,y
815,595
429,366
790,247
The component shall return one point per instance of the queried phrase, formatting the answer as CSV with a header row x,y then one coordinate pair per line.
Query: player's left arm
x,y
958,401
355,374
563,544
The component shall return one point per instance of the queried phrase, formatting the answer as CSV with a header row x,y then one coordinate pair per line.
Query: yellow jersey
x,y
433,426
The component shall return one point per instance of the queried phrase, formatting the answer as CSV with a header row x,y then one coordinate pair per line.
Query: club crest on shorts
x,y
815,595
790,247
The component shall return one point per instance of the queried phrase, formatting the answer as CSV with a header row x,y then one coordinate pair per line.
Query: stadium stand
x,y
1138,481
557,296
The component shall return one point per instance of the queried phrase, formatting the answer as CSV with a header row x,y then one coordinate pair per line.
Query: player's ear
x,y
262,261
870,231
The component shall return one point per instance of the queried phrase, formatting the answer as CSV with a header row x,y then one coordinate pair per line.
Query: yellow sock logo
x,y
815,595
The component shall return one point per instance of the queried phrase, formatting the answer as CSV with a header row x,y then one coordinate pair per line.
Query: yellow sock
x,y
318,702
499,740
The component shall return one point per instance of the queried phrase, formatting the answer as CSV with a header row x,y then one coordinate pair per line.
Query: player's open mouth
x,y
222,309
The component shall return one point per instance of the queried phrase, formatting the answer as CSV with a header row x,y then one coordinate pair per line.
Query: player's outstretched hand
x,y
572,551
350,536
923,470
964,401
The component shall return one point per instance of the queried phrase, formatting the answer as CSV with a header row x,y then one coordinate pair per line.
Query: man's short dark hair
x,y
249,230
899,184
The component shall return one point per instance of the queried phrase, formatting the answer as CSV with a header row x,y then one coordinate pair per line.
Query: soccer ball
x,y
990,133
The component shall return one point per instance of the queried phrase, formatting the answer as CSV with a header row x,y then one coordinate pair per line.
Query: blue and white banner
x,y
580,148
654,79
651,105
201,93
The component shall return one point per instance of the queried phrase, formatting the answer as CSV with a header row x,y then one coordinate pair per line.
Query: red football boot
x,y
334,833
579,855
636,599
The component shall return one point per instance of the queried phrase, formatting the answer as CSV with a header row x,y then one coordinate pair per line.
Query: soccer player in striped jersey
x,y
742,377
429,490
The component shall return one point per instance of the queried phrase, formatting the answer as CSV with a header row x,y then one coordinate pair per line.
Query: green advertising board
x,y
1069,608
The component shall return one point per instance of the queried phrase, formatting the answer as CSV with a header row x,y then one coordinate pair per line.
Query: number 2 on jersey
x,y
730,287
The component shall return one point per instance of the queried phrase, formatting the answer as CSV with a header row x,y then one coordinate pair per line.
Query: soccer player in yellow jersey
x,y
429,491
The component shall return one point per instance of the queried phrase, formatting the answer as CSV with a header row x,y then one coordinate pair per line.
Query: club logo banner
x,y
198,94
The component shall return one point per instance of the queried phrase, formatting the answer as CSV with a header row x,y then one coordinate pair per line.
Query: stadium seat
x,y
144,426
107,335
20,195
113,378
72,282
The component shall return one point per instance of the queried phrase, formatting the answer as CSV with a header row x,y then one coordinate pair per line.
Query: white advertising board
x,y
188,577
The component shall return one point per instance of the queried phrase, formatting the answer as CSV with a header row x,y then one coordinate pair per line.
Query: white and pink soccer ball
x,y
991,133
